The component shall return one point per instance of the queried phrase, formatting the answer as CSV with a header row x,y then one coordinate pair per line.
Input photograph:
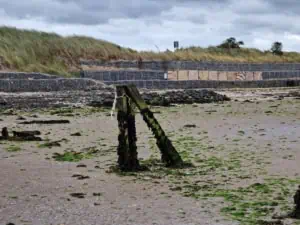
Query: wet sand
x,y
233,145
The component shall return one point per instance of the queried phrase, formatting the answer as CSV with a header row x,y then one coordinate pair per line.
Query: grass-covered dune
x,y
34,51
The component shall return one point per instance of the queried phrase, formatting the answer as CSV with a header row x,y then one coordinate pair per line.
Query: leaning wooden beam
x,y
169,154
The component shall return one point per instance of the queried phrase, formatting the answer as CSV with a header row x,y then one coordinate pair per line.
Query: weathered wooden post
x,y
127,150
169,154
296,213
4,133
133,162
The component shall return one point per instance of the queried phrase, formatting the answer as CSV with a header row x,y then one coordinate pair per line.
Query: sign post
x,y
176,45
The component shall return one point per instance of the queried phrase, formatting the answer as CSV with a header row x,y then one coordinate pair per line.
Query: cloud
x,y
90,12
287,7
144,24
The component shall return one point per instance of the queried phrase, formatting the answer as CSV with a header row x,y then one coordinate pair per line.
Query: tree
x,y
276,48
231,43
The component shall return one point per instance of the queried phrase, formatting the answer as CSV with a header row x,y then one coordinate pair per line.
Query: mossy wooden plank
x,y
135,96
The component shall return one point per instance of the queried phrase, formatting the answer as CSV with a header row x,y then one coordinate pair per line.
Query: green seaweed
x,y
13,148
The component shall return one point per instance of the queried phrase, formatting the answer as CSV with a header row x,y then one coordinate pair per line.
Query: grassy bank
x,y
26,50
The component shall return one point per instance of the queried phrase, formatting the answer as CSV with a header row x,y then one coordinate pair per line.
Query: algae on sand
x,y
13,148
72,156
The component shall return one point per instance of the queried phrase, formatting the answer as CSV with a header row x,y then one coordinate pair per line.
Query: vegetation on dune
x,y
25,50
231,43
29,50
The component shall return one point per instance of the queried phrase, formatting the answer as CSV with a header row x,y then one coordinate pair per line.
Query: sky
x,y
155,24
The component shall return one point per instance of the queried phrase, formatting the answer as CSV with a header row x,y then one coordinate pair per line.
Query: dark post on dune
x,y
127,149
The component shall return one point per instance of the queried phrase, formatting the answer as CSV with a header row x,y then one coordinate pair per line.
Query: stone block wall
x,y
194,65
116,75
189,70
19,75
48,85
281,75
189,84
35,82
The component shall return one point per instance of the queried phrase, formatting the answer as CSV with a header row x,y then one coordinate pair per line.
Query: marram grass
x,y
34,51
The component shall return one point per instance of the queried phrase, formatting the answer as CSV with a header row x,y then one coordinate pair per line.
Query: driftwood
x,y
20,135
45,122
26,133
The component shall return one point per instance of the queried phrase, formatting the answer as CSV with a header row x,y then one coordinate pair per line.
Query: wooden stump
x,y
132,154
296,213
169,154
4,133
127,150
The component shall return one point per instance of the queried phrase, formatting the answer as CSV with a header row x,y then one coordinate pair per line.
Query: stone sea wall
x,y
193,84
48,85
188,70
194,65
281,75
20,75
116,75
34,82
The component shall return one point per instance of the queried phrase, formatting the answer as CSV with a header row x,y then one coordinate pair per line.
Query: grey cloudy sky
x,y
144,24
